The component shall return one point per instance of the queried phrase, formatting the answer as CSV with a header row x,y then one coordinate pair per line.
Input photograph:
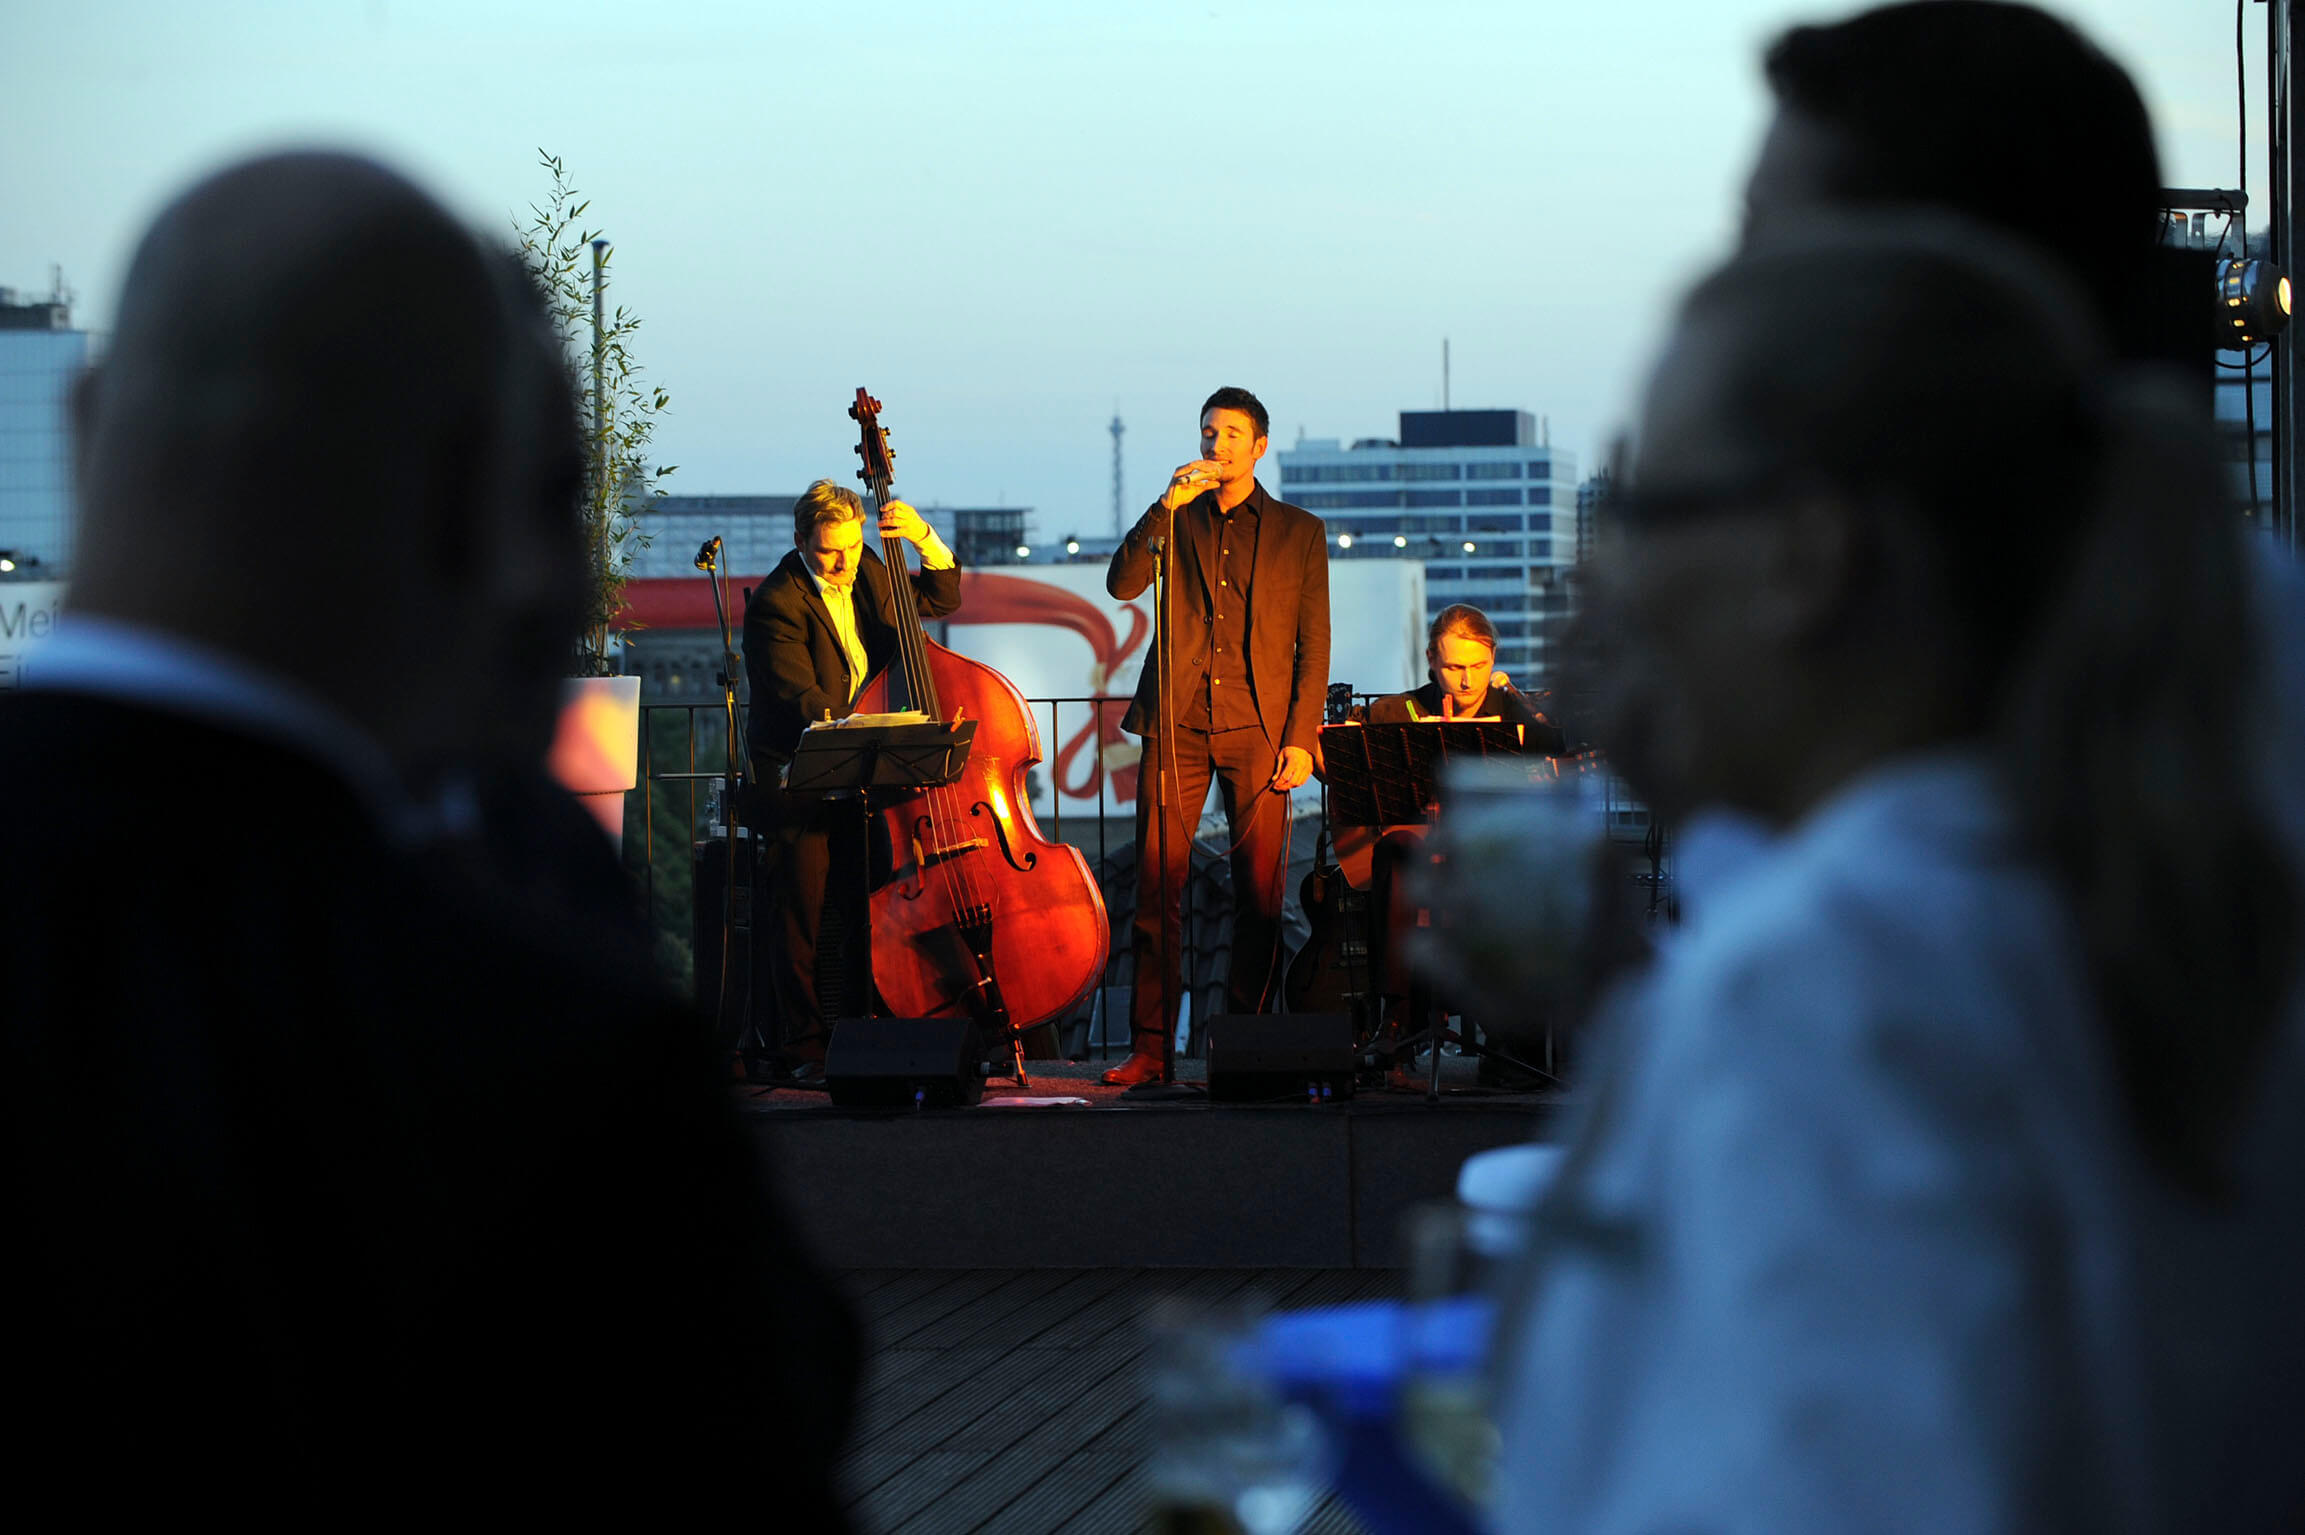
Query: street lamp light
x,y
1344,540
1468,546
1024,551
1400,540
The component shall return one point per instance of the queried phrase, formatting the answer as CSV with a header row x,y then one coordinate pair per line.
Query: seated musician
x,y
1461,653
815,631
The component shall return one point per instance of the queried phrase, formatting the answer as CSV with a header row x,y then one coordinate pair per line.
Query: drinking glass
x,y
1229,1456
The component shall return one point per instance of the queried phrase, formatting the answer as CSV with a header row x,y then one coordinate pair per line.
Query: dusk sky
x,y
1005,218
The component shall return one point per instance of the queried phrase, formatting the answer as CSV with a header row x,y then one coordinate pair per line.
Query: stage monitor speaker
x,y
903,1063
1271,1058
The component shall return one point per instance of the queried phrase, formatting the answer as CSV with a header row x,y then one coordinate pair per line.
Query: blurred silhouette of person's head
x,y
328,477
1997,111
1887,497
331,440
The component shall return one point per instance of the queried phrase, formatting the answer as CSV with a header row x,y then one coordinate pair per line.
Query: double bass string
x,y
943,815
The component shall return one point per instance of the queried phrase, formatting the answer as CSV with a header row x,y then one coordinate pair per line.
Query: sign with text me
x,y
27,615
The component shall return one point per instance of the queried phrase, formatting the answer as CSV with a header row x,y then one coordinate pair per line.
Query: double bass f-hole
x,y
1024,865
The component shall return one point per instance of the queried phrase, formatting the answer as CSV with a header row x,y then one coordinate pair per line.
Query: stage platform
x,y
1122,1184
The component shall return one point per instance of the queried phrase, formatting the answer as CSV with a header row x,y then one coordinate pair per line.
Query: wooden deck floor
x,y
1015,1400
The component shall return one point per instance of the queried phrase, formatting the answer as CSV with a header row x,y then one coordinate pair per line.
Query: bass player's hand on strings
x,y
899,520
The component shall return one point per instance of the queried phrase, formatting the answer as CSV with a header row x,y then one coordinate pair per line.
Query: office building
x,y
985,535
1477,496
755,532
40,354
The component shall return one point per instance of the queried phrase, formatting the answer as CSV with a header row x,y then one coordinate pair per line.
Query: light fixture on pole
x,y
2252,303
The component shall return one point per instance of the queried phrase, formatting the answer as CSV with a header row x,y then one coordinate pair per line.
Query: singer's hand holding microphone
x,y
1189,481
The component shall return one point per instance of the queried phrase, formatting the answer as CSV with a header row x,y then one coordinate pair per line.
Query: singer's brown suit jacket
x,y
1288,602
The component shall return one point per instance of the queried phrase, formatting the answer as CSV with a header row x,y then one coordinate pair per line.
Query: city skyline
x,y
1010,223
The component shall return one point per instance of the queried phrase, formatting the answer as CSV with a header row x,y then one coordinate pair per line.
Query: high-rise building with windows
x,y
40,353
755,533
1476,495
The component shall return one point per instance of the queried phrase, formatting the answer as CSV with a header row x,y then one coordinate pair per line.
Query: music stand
x,y
1392,775
856,756
863,752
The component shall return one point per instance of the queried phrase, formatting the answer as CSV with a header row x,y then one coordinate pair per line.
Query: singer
x,y
815,631
1236,698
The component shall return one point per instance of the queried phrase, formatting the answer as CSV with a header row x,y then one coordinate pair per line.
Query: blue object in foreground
x,y
1349,1364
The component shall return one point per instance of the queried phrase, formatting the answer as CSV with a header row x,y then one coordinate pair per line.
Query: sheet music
x,y
1389,775
901,717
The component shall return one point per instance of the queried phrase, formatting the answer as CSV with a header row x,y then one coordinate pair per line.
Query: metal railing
x,y
684,765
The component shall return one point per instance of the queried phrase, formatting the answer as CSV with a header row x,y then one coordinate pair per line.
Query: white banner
x,y
27,613
1053,631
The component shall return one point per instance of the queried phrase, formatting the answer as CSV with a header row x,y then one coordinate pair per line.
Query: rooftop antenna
x,y
1118,526
1444,373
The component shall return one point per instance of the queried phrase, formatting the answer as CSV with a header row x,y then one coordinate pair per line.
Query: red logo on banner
x,y
988,597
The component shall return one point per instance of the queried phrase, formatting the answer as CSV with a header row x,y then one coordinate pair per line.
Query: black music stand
x,y
837,758
1394,775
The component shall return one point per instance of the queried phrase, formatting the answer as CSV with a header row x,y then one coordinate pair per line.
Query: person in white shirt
x,y
1941,1179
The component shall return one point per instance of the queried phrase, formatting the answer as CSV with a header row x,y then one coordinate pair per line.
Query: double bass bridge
x,y
931,857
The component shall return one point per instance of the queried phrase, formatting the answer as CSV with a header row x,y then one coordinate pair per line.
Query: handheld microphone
x,y
709,553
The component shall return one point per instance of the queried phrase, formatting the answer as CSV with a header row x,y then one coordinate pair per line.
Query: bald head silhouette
x,y
332,439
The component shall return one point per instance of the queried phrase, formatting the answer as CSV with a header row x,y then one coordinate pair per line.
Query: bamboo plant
x,y
616,403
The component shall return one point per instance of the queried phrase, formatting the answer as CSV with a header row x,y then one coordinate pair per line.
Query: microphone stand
x,y
709,561
1172,968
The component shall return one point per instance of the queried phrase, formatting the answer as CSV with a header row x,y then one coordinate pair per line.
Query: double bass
x,y
980,915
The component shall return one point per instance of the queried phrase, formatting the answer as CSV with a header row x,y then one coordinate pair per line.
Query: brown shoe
x,y
1139,1067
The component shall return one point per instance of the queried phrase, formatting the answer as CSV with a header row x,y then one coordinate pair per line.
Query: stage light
x,y
2252,302
1344,540
1468,546
1400,541
1072,546
7,561
1024,551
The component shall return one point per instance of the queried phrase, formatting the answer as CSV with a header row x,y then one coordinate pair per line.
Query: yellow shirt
x,y
840,603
